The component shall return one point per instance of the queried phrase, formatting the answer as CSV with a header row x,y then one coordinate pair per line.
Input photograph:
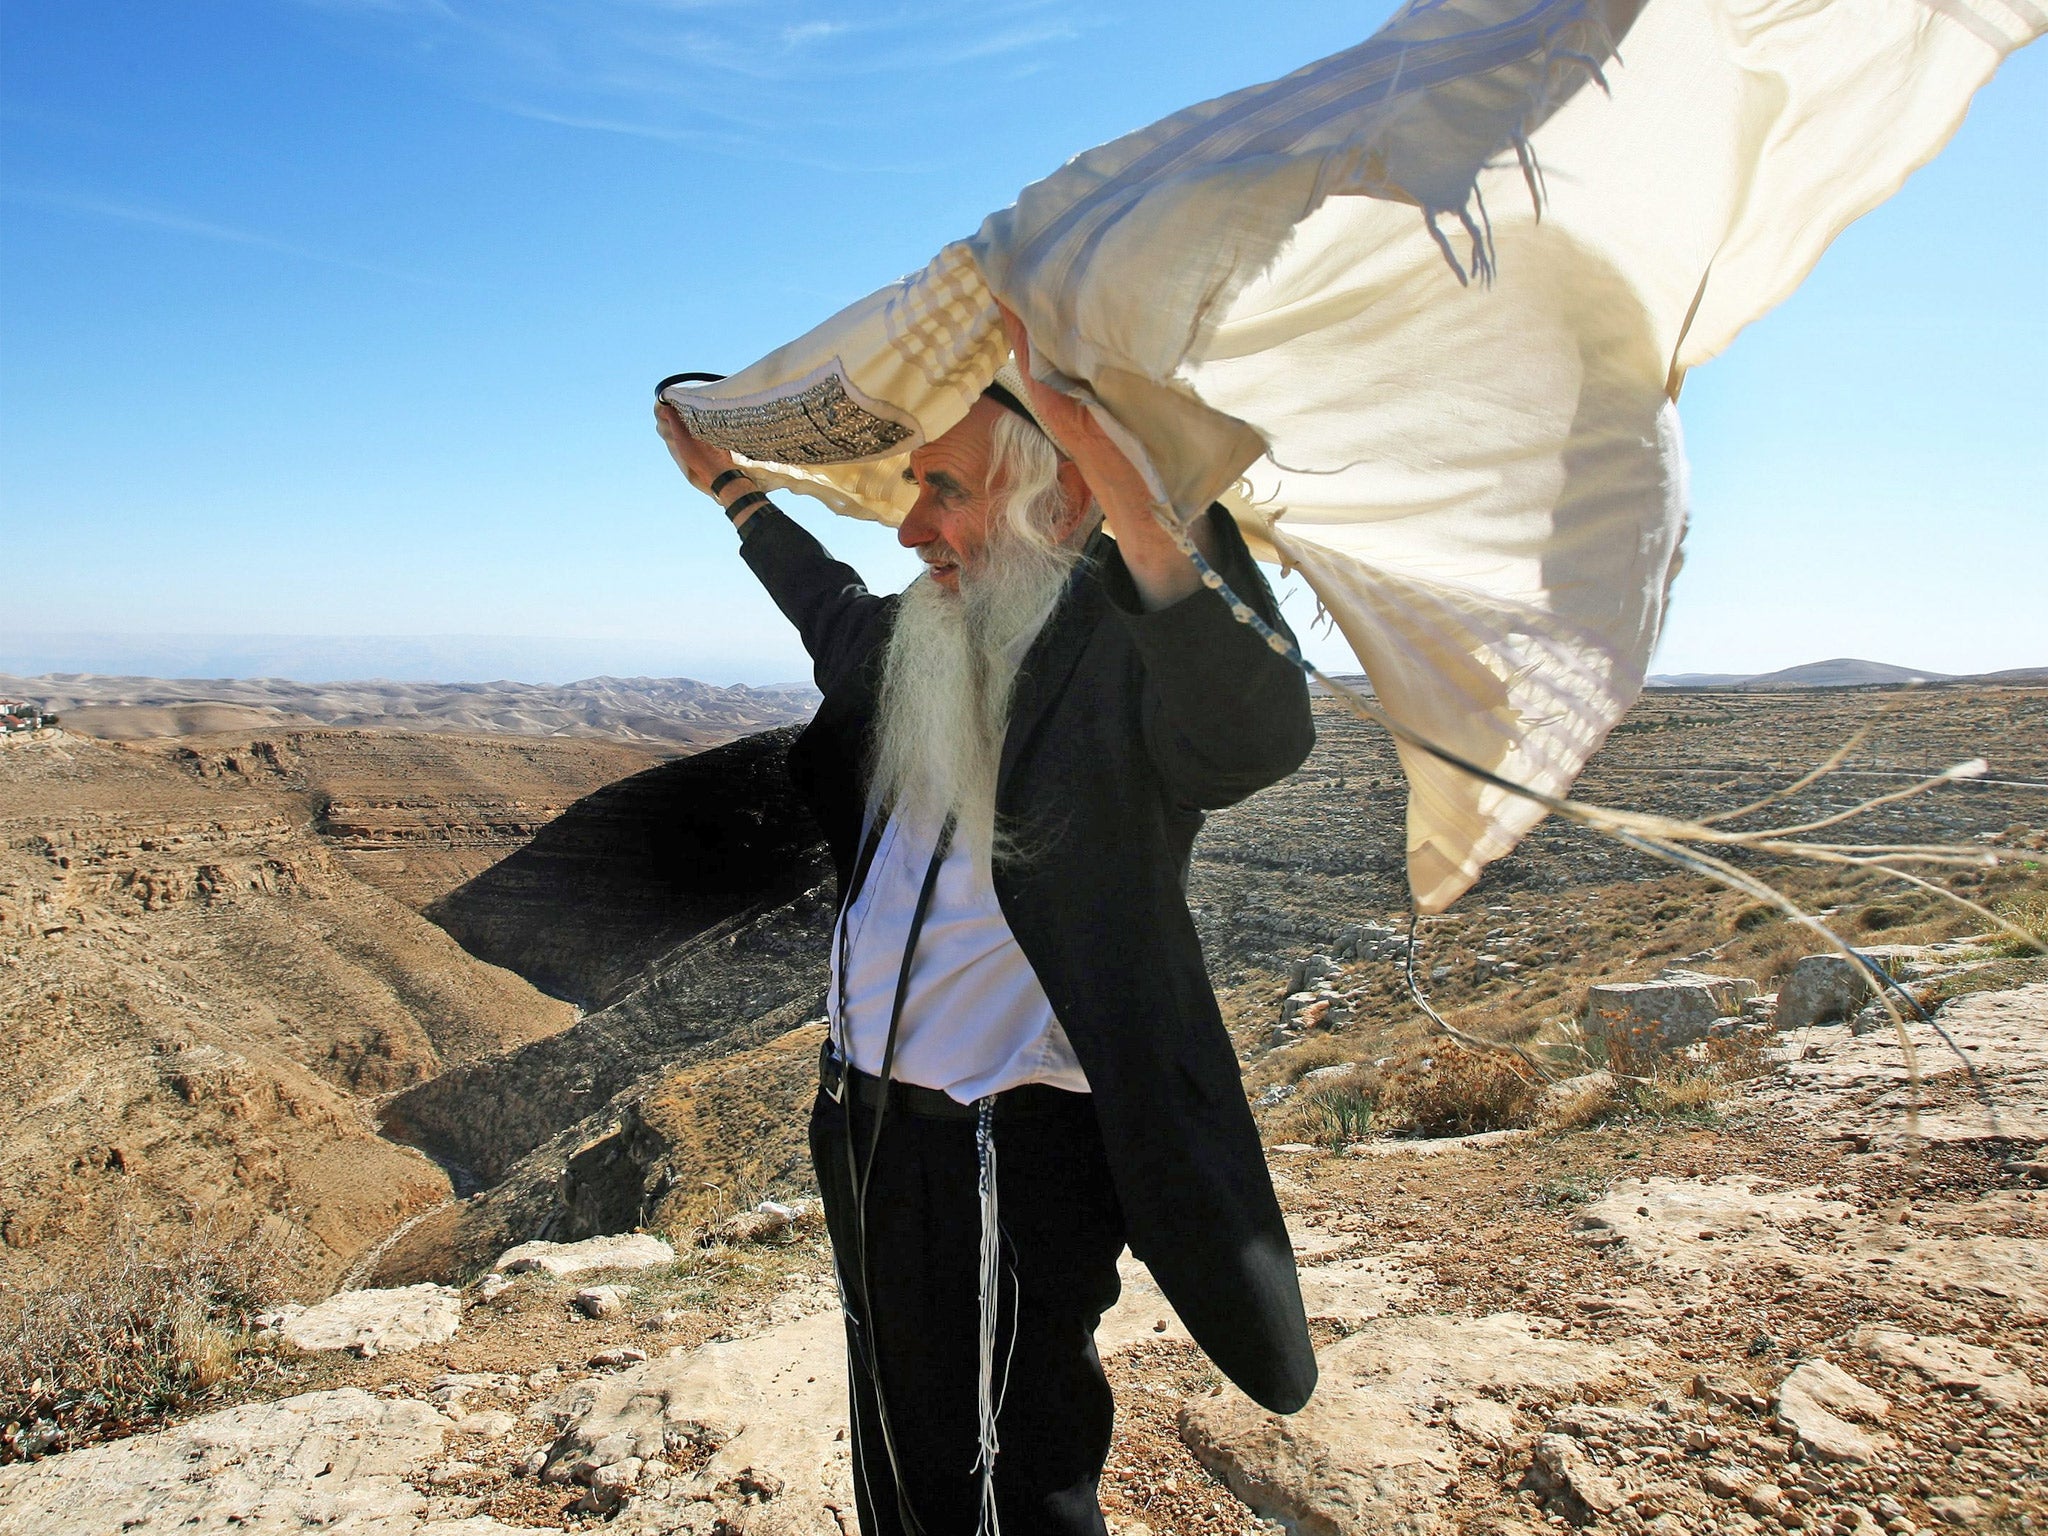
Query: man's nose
x,y
918,528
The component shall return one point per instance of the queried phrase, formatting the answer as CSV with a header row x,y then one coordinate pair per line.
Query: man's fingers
x,y
1018,338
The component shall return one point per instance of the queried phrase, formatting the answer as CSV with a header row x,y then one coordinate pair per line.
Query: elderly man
x,y
1027,1068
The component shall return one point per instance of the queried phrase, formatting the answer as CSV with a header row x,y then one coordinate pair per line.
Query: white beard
x,y
947,679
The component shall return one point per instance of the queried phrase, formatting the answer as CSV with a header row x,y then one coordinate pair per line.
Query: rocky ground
x,y
1768,1319
1789,1281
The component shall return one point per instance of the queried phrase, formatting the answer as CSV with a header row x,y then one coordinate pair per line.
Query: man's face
x,y
955,516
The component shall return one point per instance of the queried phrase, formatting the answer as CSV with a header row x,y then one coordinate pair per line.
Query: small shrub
x,y
1461,1092
1877,917
144,1327
1691,1087
1755,916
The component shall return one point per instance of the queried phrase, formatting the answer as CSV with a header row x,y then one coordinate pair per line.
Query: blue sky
x,y
338,318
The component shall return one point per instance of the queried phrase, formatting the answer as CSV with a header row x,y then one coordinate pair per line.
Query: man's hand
x,y
699,461
1158,569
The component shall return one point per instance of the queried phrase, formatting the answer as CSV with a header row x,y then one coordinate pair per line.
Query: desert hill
x,y
1843,672
210,965
675,713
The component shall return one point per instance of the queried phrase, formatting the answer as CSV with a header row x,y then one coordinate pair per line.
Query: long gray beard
x,y
948,676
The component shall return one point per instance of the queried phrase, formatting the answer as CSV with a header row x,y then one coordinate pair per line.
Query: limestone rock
x,y
371,1323
302,1463
599,1301
1821,990
1957,1509
1951,1364
1560,1468
761,1423
492,1425
1857,1088
1674,1010
624,1250
1351,1291
1816,1401
1696,1226
1693,1226
1436,1146
1375,1449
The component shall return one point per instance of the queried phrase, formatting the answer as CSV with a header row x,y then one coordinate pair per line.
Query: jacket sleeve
x,y
839,620
1225,715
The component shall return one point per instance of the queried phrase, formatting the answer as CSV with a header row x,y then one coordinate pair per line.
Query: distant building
x,y
20,715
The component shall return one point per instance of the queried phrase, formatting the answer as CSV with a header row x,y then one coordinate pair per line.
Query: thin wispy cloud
x,y
672,70
202,229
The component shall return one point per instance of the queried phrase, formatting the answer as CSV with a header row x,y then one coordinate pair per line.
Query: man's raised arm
x,y
835,615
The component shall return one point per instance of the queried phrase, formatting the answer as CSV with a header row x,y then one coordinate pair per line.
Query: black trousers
x,y
919,1304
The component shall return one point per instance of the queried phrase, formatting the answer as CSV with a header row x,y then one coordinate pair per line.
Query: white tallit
x,y
1418,313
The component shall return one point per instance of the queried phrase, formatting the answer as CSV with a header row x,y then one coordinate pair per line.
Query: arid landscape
x,y
374,1007
677,714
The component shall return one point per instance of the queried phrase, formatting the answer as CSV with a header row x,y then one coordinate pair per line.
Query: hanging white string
x,y
989,1287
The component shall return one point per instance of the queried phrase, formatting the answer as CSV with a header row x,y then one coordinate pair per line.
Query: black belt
x,y
835,1078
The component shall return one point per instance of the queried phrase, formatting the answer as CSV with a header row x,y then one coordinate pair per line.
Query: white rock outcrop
x,y
1952,1365
324,1459
623,1250
371,1323
760,1422
1377,1447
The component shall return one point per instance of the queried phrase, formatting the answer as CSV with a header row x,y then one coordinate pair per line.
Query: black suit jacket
x,y
1126,726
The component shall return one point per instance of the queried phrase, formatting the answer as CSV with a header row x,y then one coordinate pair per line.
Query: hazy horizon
x,y
536,660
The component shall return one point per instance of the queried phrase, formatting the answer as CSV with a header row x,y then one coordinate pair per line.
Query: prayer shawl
x,y
1418,315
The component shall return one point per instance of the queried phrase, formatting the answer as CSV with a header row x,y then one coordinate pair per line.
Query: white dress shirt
x,y
975,1019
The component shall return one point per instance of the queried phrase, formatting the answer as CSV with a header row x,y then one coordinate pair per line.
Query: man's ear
x,y
1076,497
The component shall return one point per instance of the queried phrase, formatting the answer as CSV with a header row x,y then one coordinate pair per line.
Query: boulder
x,y
370,1323
1963,1509
320,1460
1823,989
1676,1009
1377,1447
623,1250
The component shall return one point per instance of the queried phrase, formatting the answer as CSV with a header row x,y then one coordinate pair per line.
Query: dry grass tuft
x,y
148,1324
2029,912
1581,1102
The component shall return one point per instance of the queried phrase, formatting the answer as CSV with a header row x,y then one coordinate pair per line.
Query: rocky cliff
x,y
627,873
